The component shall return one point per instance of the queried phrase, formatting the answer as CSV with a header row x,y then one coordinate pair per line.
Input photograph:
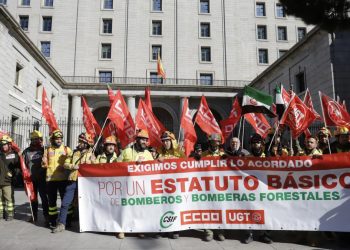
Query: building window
x,y
262,32
107,26
204,6
206,79
301,33
205,29
156,28
205,54
38,91
53,100
108,4
25,2
106,51
47,23
156,49
281,52
48,3
263,56
260,9
280,11
46,48
18,74
4,2
154,78
157,5
282,33
105,76
300,85
24,22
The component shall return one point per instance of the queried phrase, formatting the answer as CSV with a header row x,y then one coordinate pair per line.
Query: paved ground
x,y
20,234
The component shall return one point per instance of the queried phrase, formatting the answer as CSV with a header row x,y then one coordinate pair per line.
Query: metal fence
x,y
19,129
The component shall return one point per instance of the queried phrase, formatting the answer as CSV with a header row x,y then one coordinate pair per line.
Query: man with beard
x,y
33,157
257,150
138,152
311,147
9,168
236,149
323,135
109,147
56,175
82,154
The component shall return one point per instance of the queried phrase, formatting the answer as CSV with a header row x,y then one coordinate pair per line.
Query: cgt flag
x,y
334,114
297,116
48,113
259,123
90,123
206,120
188,127
230,123
145,119
120,116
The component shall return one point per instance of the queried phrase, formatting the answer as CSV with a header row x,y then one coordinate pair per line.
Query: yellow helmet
x,y
36,135
142,134
214,137
111,140
341,131
5,139
324,131
56,134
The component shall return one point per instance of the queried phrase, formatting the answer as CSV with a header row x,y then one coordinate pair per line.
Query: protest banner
x,y
276,193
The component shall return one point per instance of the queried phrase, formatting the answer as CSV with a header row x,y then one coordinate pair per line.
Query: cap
x,y
56,134
167,135
142,134
87,138
214,137
256,138
36,135
111,140
5,139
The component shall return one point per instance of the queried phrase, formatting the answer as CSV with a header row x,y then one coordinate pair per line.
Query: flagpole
x,y
99,137
324,121
273,137
242,142
239,129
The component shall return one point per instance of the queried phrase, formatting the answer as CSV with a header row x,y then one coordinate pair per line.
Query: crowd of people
x,y
54,169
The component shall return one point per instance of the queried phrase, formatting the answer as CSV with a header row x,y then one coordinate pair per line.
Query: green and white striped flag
x,y
255,101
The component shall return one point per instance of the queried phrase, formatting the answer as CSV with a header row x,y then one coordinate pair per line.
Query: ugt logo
x,y
167,219
335,113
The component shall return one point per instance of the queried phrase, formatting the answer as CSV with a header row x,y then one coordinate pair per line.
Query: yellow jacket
x,y
171,154
102,158
213,153
76,158
53,160
315,151
130,154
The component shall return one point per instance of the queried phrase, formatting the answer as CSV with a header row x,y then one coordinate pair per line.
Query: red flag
x,y
333,113
90,123
28,184
259,123
297,116
145,119
309,104
111,96
48,113
120,116
206,120
286,96
109,129
148,98
230,123
188,127
160,69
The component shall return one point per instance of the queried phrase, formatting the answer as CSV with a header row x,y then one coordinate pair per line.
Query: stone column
x,y
131,105
76,120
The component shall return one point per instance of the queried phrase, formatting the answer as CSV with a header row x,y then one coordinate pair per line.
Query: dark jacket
x,y
33,159
9,167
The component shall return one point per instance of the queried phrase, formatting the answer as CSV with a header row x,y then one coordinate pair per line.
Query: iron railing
x,y
92,80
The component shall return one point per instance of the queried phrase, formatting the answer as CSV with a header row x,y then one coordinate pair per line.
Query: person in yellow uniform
x,y
109,147
214,150
56,175
169,150
342,142
138,152
82,154
257,146
311,147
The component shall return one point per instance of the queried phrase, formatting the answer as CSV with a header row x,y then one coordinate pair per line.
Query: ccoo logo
x,y
167,219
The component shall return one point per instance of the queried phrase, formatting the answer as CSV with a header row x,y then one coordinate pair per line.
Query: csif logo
x,y
167,219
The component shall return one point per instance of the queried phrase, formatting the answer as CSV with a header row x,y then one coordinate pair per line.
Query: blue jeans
x,y
67,201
